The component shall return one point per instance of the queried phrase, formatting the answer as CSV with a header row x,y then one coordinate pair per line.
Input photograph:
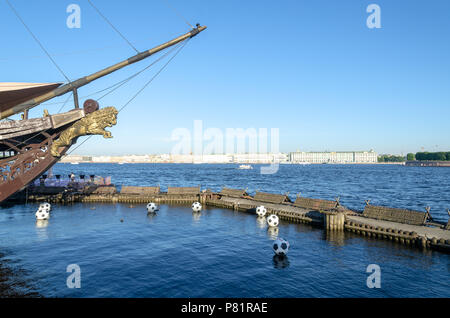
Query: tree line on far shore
x,y
439,156
420,156
390,158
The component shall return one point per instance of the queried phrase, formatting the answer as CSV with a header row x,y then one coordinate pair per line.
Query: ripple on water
x,y
221,253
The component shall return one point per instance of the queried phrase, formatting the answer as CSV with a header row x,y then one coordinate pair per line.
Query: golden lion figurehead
x,y
93,124
107,115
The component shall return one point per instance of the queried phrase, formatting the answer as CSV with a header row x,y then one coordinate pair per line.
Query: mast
x,y
73,86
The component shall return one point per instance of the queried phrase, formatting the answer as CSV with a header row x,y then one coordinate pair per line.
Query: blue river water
x,y
123,252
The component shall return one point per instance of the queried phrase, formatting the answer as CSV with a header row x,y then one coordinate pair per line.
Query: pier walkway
x,y
424,231
406,227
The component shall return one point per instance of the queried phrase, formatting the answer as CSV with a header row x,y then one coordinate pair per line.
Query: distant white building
x,y
101,159
255,158
334,157
230,158
262,158
76,158
215,159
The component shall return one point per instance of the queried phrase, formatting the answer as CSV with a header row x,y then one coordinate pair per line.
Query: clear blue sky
x,y
311,68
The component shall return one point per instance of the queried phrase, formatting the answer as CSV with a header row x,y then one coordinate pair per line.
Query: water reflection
x,y
272,232
326,264
196,216
335,237
40,224
41,229
151,217
280,262
14,281
261,222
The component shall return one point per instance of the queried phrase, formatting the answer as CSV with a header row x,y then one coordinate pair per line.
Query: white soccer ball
x,y
152,207
261,211
46,206
273,220
280,247
42,214
196,207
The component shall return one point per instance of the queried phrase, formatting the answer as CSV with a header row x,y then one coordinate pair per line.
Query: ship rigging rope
x,y
64,104
69,53
139,91
154,76
112,26
117,85
37,40
177,13
123,82
179,45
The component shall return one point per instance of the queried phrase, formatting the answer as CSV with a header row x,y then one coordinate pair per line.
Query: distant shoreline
x,y
235,163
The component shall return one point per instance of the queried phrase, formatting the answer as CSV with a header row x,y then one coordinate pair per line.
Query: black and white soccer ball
x,y
261,211
280,247
196,207
152,207
273,220
42,214
46,206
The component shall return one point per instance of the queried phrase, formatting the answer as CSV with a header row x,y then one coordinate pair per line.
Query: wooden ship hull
x,y
25,149
29,147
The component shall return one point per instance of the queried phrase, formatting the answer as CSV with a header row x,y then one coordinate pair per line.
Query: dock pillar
x,y
334,221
